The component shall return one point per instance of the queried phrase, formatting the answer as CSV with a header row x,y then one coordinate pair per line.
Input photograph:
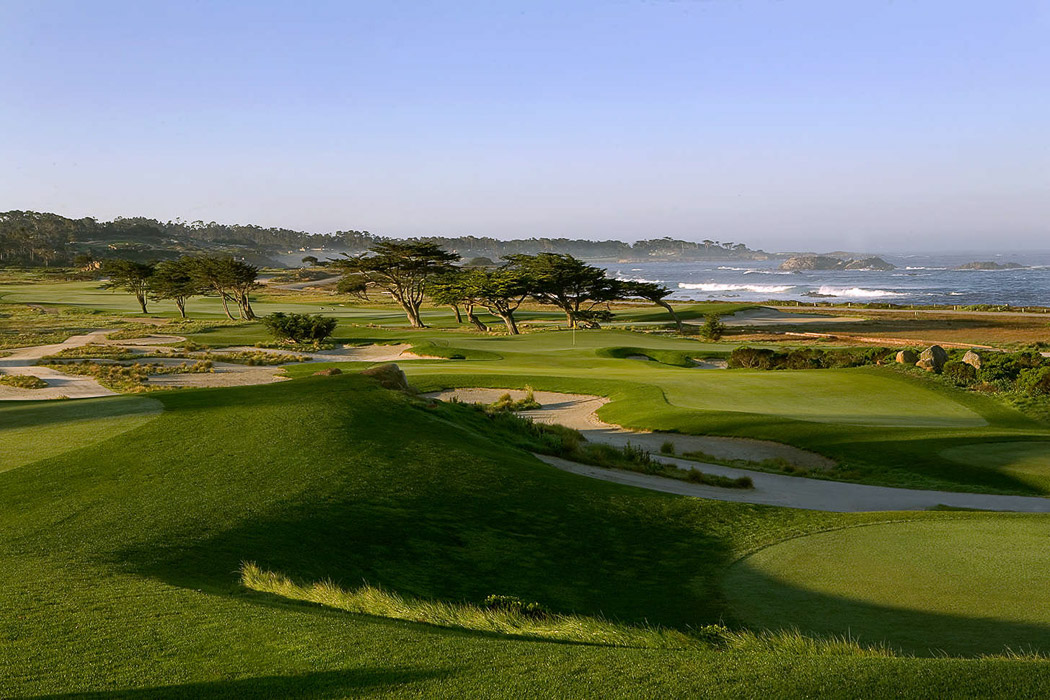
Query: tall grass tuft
x,y
498,614
511,616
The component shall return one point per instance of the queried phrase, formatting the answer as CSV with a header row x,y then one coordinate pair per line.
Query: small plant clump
x,y
507,403
667,448
129,379
22,381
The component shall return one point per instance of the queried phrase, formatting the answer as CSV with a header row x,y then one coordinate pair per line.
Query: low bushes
x,y
806,358
507,403
129,379
299,328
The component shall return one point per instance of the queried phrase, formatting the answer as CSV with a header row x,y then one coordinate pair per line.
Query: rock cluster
x,y
827,262
932,359
973,359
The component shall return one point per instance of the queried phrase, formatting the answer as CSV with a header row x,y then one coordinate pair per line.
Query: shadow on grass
x,y
322,684
764,602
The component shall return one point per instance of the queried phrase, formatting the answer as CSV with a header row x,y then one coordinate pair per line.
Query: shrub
x,y
959,373
1034,381
667,448
713,328
751,358
299,328
512,604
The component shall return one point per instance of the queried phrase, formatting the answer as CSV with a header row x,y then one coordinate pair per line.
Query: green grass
x,y
30,432
959,587
128,549
1028,461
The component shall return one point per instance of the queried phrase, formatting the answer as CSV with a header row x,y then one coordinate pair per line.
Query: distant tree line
x,y
410,272
45,239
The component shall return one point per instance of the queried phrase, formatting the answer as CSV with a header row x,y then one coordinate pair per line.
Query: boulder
x,y
389,376
330,372
907,357
932,358
973,359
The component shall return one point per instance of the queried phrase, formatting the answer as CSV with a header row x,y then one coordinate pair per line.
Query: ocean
x,y
918,279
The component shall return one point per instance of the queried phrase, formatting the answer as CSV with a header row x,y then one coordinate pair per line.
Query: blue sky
x,y
880,125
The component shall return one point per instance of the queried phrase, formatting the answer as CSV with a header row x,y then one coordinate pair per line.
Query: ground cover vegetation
x,y
354,529
165,516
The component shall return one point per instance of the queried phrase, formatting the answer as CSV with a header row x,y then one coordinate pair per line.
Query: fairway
x,y
1028,461
851,396
963,587
30,432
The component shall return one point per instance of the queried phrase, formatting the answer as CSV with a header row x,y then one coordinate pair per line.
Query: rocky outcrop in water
x,y
826,262
989,265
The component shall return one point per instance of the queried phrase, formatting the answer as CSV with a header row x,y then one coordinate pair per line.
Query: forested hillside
x,y
45,239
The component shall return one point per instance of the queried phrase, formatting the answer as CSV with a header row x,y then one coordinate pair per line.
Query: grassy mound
x,y
129,549
960,587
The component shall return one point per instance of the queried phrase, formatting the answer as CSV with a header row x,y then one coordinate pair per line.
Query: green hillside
x,y
129,548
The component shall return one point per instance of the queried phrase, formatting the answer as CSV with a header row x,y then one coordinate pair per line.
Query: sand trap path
x,y
59,384
770,489
577,411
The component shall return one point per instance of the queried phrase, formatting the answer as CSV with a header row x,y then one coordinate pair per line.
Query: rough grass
x,y
22,381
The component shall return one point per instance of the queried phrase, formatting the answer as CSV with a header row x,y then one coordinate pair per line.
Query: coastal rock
x,y
389,376
932,358
827,262
907,357
973,359
988,265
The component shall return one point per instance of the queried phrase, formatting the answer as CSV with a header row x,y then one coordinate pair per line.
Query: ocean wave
x,y
735,269
856,292
757,288
921,267
637,279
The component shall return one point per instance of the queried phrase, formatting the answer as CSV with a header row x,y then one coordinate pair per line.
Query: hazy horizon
x,y
810,126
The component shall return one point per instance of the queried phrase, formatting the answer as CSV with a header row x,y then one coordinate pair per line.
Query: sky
x,y
784,124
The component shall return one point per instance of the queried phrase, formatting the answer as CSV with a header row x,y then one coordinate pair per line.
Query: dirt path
x,y
577,411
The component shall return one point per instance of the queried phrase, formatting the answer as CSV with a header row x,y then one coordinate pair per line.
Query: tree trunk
x,y
474,319
670,310
225,305
459,317
570,319
512,325
412,311
180,302
246,307
142,301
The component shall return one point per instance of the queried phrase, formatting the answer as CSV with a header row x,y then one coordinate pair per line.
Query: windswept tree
x,y
173,279
404,270
134,277
455,288
570,284
232,280
651,292
502,291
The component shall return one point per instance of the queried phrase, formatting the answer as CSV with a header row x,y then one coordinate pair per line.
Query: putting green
x,y
962,586
30,432
1028,461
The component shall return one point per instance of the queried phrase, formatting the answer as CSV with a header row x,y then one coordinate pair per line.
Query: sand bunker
x,y
577,411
